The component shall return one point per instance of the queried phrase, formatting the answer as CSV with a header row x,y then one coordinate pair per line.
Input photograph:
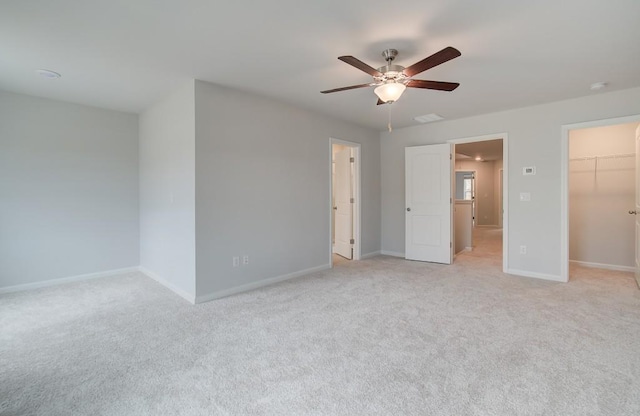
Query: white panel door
x,y
428,209
343,206
637,208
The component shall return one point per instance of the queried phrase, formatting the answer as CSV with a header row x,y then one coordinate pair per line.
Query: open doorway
x,y
479,223
601,193
565,176
464,209
345,201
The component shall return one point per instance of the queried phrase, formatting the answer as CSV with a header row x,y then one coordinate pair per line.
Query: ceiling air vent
x,y
428,118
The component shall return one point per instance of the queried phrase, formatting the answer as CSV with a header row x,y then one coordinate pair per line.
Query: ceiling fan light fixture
x,y
390,92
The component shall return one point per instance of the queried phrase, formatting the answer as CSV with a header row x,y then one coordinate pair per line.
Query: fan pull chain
x,y
389,124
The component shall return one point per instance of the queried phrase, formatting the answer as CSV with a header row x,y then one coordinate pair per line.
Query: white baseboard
x,y
256,285
392,253
463,250
187,296
369,255
70,279
536,275
604,266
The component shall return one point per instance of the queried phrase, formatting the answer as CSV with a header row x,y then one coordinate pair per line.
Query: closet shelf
x,y
603,157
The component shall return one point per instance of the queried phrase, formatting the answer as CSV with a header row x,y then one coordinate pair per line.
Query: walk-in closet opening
x,y
602,195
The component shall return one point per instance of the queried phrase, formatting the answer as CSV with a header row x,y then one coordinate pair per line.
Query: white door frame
x,y
564,182
505,195
357,246
474,205
501,197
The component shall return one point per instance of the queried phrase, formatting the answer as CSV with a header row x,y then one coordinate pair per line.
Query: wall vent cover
x,y
428,118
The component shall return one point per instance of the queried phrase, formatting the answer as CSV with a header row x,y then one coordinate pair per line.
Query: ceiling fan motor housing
x,y
391,73
389,55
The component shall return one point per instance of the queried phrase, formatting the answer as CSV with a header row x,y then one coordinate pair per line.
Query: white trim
x,y
501,196
70,279
464,250
357,220
473,202
392,253
505,187
187,296
483,138
604,266
536,275
564,181
256,285
369,255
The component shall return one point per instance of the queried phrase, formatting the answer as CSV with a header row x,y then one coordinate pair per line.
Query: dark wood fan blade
x,y
433,85
380,102
352,87
355,62
436,59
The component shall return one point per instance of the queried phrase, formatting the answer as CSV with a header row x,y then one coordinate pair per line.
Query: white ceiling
x,y
486,150
127,54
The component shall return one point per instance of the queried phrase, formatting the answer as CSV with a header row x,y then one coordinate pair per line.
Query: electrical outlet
x,y
245,259
236,261
523,249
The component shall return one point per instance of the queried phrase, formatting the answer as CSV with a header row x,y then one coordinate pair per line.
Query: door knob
x,y
408,209
335,208
633,212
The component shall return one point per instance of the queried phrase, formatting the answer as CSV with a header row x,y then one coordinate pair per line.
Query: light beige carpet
x,y
377,337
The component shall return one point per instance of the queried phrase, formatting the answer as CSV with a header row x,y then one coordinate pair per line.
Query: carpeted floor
x,y
381,336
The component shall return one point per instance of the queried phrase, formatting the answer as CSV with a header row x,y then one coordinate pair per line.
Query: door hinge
x,y
352,241
450,157
451,200
450,244
352,201
352,159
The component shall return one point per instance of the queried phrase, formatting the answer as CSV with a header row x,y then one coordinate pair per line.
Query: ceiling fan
x,y
391,80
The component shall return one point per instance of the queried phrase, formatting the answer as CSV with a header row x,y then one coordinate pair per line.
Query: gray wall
x,y
485,189
68,190
534,139
262,186
167,191
600,228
